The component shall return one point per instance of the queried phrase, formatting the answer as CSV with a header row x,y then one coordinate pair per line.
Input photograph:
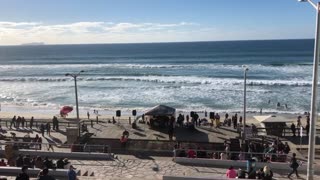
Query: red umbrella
x,y
66,109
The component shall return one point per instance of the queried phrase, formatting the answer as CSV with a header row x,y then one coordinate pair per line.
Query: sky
x,y
138,21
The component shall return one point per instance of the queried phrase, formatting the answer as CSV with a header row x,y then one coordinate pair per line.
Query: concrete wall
x,y
69,155
33,172
192,178
238,164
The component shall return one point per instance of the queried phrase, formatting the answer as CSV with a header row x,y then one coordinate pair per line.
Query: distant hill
x,y
33,44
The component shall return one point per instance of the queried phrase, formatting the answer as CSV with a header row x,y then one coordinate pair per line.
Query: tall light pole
x,y
314,116
245,69
76,93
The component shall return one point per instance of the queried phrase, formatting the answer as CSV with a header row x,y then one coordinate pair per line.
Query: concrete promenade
x,y
151,168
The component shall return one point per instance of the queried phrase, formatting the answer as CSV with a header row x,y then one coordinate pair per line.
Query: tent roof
x,y
161,110
273,118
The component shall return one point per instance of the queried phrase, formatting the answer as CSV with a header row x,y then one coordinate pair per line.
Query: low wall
x,y
192,178
239,164
153,145
69,155
33,172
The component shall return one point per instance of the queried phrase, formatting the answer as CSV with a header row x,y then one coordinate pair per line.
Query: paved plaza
x,y
153,168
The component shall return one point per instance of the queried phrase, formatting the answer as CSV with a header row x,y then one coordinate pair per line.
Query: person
x,y
293,129
60,163
231,173
123,141
223,156
2,163
22,122
241,174
72,175
13,122
307,128
286,148
31,122
39,163
23,175
266,173
88,114
67,164
19,161
48,127
294,165
44,175
299,122
47,163
42,129
191,153
50,146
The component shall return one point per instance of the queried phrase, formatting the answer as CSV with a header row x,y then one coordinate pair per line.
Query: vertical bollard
x,y
97,120
129,120
91,123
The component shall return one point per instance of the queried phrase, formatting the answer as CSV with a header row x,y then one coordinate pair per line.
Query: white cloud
x,y
12,33
82,32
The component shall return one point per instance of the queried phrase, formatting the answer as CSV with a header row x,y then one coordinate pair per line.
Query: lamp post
x,y
76,93
245,69
314,116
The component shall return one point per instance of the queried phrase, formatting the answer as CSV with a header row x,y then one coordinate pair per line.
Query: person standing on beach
x,y
48,127
42,129
22,122
307,128
293,129
13,122
31,122
18,122
88,114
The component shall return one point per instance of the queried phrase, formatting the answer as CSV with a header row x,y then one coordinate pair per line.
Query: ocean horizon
x,y
190,76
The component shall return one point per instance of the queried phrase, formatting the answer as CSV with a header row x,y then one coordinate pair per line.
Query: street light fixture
x,y
245,69
76,93
314,116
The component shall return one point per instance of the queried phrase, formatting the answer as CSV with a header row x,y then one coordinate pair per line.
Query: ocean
x,y
189,76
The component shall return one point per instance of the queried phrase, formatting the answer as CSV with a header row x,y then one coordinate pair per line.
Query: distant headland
x,y
33,44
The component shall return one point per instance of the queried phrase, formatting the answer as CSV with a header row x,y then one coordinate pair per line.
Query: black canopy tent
x,y
160,115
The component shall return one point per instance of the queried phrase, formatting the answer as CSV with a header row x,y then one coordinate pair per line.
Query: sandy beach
x,y
47,113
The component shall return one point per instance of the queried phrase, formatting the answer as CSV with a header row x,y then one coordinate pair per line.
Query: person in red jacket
x,y
191,153
231,173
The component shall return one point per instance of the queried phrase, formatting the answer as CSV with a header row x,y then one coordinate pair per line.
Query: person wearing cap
x,y
23,175
72,175
43,175
66,163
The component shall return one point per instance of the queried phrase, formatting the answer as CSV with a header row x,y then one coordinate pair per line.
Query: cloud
x,y
13,33
83,32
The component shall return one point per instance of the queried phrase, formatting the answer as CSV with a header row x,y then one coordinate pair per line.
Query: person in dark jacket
x,y
294,165
19,161
24,175
60,163
293,129
44,175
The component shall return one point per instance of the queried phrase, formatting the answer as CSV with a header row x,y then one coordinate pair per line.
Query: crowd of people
x,y
44,164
